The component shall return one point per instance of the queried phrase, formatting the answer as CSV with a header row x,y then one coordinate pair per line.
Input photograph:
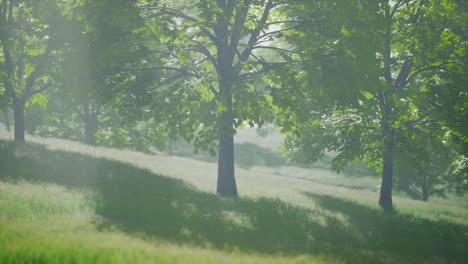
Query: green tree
x,y
101,38
424,162
30,53
215,74
369,65
101,41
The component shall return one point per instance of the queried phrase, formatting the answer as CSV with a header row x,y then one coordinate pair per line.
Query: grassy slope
x,y
297,219
262,154
47,223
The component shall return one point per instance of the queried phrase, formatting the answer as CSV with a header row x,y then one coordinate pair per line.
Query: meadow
x,y
65,202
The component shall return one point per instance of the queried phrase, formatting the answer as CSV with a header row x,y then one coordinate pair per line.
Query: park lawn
x,y
81,204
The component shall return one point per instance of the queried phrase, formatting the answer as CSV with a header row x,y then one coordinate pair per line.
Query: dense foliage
x,y
377,81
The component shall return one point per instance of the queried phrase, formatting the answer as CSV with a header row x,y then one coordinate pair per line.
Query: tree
x,y
101,38
423,162
30,53
368,66
215,76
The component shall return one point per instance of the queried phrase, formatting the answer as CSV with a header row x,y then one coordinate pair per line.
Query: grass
x,y
261,154
65,202
48,223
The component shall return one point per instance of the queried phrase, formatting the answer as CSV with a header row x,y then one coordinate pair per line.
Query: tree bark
x,y
91,124
19,120
424,186
425,194
7,120
90,131
226,185
385,200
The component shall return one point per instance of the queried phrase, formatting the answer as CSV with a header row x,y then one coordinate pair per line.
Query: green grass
x,y
64,202
261,154
49,223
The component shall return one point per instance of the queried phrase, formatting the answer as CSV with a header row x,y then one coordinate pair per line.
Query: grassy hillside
x,y
77,203
49,223
262,154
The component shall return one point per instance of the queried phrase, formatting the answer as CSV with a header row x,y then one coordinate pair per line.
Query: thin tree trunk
x,y
226,185
90,130
424,186
90,122
385,200
19,120
7,120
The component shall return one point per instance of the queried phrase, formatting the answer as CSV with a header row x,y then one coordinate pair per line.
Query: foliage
x,y
426,159
100,43
102,39
367,72
190,94
30,54
214,79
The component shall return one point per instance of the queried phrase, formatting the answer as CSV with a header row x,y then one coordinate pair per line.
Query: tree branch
x,y
169,80
402,78
397,6
162,68
429,68
294,21
254,36
239,21
178,13
267,67
202,49
275,48
275,32
42,89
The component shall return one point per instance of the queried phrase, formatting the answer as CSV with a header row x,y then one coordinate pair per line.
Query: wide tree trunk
x,y
18,109
226,185
385,200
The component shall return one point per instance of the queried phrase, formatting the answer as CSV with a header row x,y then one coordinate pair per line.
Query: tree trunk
x,y
19,120
425,194
385,200
90,122
424,186
226,185
90,131
7,120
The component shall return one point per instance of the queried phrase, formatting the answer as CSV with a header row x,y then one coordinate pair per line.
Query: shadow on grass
x,y
139,202
397,234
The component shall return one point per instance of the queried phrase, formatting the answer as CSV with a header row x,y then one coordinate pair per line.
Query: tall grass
x,y
140,203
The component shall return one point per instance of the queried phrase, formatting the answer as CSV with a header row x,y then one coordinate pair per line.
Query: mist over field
x,y
223,131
